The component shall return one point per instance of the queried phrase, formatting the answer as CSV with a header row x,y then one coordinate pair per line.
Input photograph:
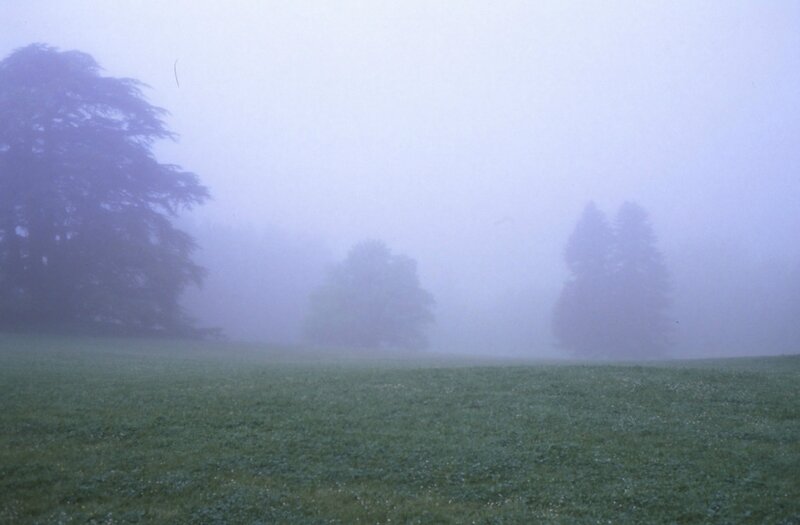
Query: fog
x,y
470,136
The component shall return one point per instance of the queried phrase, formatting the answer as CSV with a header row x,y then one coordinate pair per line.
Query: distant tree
x,y
614,303
372,299
641,287
86,233
581,319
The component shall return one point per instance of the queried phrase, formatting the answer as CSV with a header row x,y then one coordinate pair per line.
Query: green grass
x,y
105,431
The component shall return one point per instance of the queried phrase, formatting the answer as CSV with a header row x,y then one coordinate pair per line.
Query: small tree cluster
x,y
614,303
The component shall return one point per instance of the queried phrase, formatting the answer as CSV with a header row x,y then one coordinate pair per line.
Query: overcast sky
x,y
468,135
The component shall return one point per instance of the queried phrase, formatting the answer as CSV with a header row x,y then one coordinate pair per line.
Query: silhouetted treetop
x,y
588,249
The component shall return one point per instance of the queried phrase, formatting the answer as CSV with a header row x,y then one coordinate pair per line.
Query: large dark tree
x,y
86,233
614,303
372,299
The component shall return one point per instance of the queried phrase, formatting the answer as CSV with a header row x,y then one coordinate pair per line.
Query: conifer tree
x,y
614,303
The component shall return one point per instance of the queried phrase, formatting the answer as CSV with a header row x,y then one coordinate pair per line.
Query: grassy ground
x,y
139,431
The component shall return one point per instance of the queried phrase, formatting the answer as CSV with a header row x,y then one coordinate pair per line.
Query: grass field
x,y
111,431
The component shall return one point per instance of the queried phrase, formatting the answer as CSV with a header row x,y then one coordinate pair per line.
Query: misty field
x,y
104,431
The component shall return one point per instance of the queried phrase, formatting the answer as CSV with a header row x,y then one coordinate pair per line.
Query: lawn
x,y
123,431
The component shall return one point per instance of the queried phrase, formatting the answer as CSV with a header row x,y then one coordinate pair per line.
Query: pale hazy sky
x,y
466,134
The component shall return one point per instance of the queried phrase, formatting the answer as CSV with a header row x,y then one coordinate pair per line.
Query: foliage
x,y
86,237
122,431
615,301
372,299
581,316
641,287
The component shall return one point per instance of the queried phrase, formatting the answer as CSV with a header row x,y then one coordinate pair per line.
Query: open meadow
x,y
124,431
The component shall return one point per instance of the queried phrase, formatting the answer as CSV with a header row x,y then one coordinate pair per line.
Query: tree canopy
x,y
372,299
614,303
86,232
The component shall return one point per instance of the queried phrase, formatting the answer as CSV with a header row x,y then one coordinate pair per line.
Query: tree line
x,y
88,239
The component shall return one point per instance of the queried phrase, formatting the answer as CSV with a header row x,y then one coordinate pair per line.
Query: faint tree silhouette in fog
x,y
641,287
614,304
371,299
581,320
86,233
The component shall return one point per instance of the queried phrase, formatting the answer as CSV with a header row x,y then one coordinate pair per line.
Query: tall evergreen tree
x,y
86,236
580,321
614,303
641,287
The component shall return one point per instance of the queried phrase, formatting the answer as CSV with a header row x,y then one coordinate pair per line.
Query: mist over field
x,y
408,262
468,138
